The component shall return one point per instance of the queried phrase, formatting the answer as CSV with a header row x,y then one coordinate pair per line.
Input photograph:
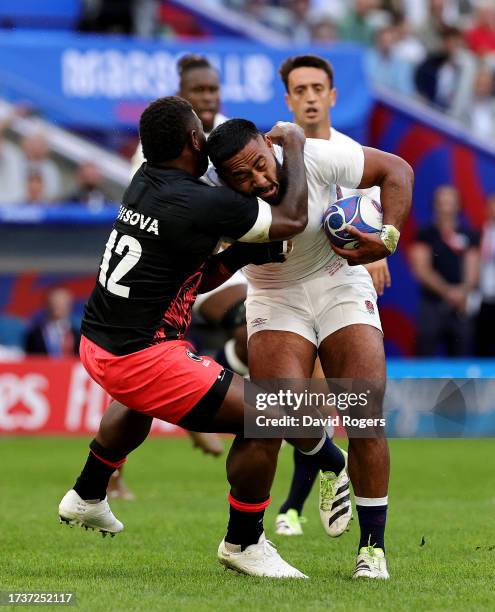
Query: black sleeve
x,y
425,235
474,239
227,214
34,343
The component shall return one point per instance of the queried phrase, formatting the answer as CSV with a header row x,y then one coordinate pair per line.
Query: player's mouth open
x,y
269,193
311,112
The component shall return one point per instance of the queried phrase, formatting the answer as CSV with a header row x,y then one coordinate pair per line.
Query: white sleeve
x,y
334,163
260,232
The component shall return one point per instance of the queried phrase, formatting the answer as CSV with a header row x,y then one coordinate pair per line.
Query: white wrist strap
x,y
390,237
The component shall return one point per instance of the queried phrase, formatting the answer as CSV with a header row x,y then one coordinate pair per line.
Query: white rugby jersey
x,y
338,161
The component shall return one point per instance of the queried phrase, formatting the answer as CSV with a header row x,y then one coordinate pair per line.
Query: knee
x,y
261,454
263,450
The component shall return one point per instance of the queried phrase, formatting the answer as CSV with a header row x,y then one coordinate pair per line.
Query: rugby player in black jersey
x,y
156,260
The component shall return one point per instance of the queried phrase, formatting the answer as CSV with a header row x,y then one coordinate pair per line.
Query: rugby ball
x,y
359,211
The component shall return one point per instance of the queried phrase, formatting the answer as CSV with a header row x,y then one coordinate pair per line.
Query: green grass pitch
x,y
165,559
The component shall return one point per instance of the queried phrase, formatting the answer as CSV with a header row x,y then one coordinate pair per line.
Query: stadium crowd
x,y
441,51
29,175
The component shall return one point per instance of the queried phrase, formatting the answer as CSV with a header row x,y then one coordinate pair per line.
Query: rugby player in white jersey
x,y
322,302
310,96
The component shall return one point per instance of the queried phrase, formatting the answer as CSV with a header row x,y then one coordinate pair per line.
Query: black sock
x,y
245,527
100,465
305,472
372,520
328,457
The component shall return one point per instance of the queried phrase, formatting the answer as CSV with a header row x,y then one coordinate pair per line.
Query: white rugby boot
x,y
335,501
73,510
371,563
261,559
289,523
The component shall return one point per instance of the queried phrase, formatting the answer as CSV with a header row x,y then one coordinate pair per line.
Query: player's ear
x,y
333,97
287,101
268,141
197,142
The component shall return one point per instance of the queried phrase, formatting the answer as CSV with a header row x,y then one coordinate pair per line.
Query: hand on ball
x,y
370,248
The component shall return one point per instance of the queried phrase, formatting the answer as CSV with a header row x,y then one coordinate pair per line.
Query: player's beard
x,y
282,183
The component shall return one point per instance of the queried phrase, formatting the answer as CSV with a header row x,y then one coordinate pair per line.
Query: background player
x,y
309,83
155,261
316,304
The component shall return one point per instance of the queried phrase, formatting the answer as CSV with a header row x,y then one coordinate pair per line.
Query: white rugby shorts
x,y
316,307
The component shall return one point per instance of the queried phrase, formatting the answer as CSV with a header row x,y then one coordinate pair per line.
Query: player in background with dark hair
x,y
322,302
310,96
156,260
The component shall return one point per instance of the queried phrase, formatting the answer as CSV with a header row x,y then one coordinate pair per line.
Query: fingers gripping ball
x,y
359,211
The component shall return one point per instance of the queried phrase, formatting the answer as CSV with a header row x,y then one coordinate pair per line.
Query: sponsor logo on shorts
x,y
258,322
370,307
193,356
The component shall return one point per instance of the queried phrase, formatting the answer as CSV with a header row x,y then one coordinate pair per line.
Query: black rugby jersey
x,y
168,225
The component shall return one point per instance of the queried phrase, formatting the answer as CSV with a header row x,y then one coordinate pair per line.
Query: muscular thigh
x,y
355,351
280,354
356,354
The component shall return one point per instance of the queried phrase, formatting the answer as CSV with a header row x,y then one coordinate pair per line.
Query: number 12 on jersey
x,y
129,260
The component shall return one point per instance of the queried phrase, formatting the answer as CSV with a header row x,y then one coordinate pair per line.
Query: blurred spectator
x,y
441,14
278,18
445,261
54,333
408,46
357,24
35,150
481,37
115,16
34,193
11,163
300,28
385,67
145,17
446,77
335,9
481,115
90,189
323,29
485,327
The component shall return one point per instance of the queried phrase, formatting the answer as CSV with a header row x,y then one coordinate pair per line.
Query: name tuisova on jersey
x,y
134,218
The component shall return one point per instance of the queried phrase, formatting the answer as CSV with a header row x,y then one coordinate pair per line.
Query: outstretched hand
x,y
370,248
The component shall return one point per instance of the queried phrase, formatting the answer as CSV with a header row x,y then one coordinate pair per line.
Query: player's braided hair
x,y
191,61
229,138
164,128
304,61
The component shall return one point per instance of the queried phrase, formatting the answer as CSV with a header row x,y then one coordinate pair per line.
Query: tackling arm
x,y
223,265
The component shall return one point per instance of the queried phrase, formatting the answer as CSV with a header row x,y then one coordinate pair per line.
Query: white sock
x,y
371,501
317,448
